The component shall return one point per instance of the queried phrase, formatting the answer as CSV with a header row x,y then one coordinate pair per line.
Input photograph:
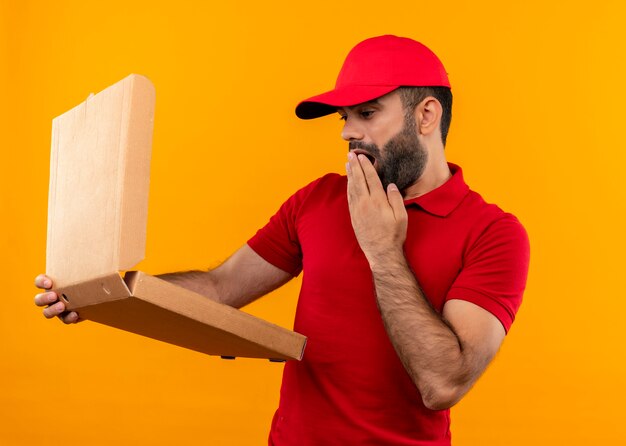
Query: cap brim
x,y
327,103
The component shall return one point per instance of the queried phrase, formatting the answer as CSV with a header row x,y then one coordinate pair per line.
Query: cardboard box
x,y
97,214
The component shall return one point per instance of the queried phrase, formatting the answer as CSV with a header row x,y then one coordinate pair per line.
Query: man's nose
x,y
351,132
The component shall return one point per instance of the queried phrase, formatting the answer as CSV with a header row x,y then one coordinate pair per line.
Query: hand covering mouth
x,y
367,154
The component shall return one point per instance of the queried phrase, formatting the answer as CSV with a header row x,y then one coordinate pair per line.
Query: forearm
x,y
201,282
428,347
215,285
242,278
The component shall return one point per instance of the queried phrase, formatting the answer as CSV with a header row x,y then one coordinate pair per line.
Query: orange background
x,y
538,127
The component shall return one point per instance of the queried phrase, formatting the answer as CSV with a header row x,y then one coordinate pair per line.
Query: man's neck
x,y
435,174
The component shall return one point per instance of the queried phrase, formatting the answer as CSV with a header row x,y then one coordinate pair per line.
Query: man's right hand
x,y
50,300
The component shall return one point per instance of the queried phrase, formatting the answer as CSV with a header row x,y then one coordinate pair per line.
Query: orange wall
x,y
538,128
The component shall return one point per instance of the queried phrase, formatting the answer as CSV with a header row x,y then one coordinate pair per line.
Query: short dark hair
x,y
412,96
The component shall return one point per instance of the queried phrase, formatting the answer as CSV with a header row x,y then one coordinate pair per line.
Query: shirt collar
x,y
444,199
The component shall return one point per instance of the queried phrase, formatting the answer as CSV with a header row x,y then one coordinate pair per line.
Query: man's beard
x,y
404,157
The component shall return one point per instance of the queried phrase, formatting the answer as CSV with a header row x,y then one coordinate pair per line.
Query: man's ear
x,y
428,116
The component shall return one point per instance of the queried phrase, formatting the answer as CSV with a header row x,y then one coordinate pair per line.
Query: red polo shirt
x,y
351,388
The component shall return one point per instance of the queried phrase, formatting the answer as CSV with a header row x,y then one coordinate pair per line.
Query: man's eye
x,y
343,117
366,113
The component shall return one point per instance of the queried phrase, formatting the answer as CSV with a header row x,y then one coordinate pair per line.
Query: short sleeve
x,y
277,242
495,269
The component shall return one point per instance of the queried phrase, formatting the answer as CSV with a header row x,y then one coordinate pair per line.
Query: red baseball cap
x,y
375,67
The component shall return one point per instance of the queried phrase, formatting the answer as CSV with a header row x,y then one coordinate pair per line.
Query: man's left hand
x,y
379,219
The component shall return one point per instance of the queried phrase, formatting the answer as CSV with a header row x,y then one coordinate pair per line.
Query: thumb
x,y
396,202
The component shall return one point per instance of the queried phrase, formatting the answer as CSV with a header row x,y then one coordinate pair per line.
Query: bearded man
x,y
411,280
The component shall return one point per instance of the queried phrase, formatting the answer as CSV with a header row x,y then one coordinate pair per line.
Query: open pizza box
x,y
97,216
